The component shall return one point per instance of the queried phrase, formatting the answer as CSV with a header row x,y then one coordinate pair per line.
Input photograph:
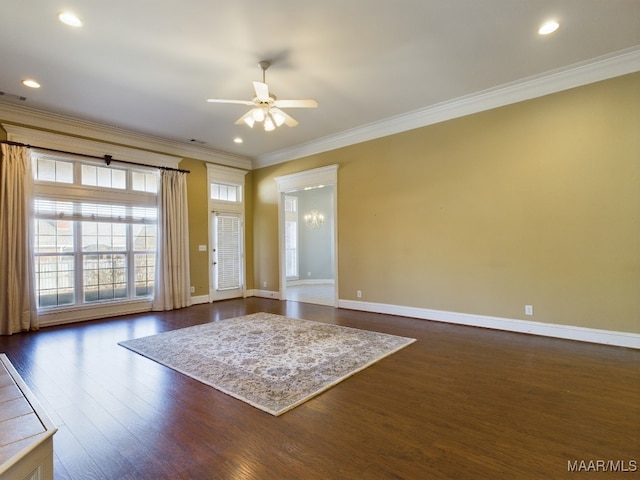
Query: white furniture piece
x,y
26,432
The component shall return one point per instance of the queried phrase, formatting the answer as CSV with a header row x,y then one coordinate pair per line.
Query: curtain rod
x,y
107,158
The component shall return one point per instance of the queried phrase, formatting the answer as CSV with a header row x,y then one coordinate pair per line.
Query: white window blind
x,y
86,211
229,260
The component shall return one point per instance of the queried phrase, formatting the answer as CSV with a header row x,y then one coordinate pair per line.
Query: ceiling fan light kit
x,y
266,106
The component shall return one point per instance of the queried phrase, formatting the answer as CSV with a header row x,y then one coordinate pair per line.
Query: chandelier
x,y
313,219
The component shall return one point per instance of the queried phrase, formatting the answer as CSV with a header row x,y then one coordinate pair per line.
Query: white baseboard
x,y
263,294
313,281
582,334
199,299
248,293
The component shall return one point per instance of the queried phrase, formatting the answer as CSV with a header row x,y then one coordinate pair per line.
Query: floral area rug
x,y
272,362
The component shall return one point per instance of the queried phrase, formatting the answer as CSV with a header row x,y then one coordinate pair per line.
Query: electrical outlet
x,y
264,284
359,294
193,289
528,309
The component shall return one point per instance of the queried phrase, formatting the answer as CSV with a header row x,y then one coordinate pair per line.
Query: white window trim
x,y
80,311
232,176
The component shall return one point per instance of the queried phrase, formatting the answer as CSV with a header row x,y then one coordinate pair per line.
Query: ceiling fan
x,y
266,106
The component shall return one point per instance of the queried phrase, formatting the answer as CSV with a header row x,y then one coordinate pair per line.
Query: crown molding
x,y
40,119
600,68
82,146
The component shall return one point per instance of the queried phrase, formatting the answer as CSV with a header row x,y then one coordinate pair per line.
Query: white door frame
x,y
298,181
232,176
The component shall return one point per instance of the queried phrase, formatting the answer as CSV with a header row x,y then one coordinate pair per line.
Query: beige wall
x,y
534,203
198,224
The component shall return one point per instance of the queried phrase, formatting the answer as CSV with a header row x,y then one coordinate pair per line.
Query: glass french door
x,y
227,256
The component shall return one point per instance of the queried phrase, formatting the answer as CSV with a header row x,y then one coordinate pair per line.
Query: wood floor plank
x,y
459,403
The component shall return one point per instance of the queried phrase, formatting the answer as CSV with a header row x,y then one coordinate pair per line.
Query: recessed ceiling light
x,y
70,19
30,83
548,27
237,140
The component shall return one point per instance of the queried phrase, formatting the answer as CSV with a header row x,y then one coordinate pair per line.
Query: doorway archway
x,y
306,189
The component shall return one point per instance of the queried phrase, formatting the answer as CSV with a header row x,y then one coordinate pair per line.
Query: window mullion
x,y
131,274
78,263
77,173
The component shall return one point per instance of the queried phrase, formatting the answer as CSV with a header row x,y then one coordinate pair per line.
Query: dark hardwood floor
x,y
459,403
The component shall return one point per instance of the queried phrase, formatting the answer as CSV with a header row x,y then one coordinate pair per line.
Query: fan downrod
x,y
264,64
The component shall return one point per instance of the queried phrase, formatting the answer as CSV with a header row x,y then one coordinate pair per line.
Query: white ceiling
x,y
149,65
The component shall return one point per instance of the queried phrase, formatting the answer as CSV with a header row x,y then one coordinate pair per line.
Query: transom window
x,y
48,169
95,232
104,177
225,192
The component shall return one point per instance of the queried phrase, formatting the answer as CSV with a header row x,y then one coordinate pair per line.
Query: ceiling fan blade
x,y
262,91
286,119
309,103
222,100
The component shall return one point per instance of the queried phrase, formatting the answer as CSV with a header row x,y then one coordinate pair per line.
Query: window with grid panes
x,y
95,232
225,192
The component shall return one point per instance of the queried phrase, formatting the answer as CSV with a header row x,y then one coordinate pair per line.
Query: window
x,y
225,192
48,169
291,236
54,262
95,232
144,182
104,177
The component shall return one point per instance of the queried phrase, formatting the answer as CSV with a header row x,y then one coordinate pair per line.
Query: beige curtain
x,y
17,279
172,281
